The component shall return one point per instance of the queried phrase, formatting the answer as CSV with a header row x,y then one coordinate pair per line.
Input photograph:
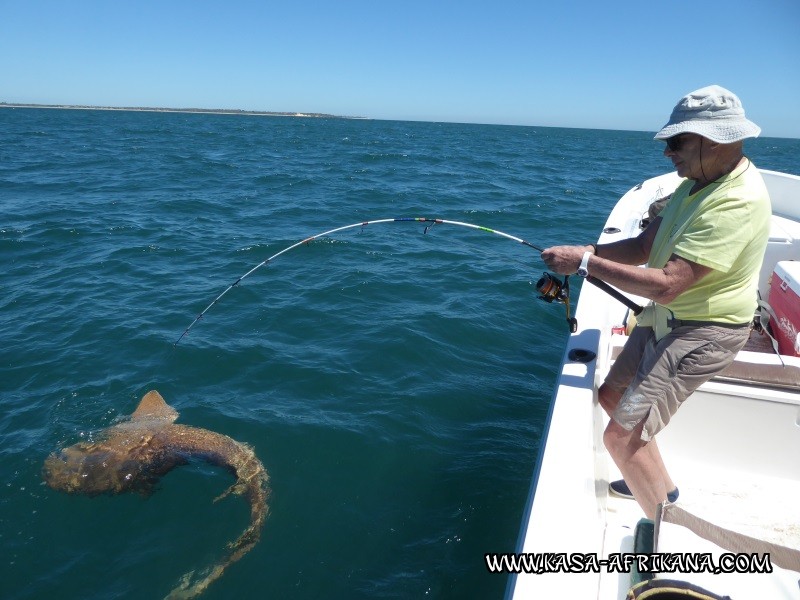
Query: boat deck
x,y
763,507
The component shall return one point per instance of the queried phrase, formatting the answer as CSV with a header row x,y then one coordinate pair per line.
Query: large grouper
x,y
133,455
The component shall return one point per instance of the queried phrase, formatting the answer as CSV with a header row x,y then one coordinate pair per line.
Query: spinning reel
x,y
553,290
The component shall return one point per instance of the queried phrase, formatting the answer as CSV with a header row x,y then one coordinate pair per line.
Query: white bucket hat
x,y
713,112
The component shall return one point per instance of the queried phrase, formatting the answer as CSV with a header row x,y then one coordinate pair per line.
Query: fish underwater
x,y
132,456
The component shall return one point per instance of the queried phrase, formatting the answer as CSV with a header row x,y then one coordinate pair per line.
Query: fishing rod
x,y
550,288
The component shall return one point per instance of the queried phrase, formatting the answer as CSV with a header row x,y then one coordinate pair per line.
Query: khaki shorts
x,y
655,378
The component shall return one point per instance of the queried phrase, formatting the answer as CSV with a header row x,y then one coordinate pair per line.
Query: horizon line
x,y
266,113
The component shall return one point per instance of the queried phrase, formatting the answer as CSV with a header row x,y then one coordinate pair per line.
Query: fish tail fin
x,y
190,587
192,584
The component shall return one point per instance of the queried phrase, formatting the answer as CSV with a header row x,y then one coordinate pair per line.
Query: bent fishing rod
x,y
550,288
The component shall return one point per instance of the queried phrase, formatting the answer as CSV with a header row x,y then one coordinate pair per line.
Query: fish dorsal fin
x,y
153,406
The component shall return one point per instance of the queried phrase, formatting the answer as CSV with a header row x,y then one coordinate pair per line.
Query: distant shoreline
x,y
212,111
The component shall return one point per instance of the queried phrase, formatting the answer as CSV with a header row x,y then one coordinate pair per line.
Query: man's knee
x,y
615,438
620,442
608,398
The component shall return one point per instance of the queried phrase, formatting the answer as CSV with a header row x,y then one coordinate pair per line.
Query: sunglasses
x,y
675,142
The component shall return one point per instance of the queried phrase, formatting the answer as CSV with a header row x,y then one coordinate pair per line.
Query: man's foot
x,y
621,489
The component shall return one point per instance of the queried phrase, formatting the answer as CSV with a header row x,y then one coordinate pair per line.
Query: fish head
x,y
122,460
86,468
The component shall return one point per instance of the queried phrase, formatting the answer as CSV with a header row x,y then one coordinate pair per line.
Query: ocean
x,y
394,379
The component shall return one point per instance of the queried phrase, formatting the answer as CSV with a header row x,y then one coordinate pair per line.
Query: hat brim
x,y
723,131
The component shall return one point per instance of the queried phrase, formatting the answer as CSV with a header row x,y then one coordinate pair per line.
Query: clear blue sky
x,y
574,63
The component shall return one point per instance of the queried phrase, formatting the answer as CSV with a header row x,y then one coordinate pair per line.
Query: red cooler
x,y
784,297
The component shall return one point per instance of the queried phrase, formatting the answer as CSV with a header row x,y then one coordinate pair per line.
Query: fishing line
x,y
362,224
552,290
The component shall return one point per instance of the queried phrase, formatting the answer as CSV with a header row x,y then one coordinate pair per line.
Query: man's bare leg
x,y
641,472
628,446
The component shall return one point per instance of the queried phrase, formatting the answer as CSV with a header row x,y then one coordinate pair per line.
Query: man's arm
x,y
660,285
616,264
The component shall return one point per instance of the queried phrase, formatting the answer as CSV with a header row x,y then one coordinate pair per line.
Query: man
x,y
703,255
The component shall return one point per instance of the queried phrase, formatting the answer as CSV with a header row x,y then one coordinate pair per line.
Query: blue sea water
x,y
394,382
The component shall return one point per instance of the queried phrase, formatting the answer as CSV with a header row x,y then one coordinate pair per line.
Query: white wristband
x,y
583,270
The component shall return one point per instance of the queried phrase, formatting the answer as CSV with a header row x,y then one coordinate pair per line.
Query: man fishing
x,y
703,254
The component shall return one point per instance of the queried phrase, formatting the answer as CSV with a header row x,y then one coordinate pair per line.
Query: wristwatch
x,y
583,270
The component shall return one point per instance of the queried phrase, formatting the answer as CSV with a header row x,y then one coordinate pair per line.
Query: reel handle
x,y
572,323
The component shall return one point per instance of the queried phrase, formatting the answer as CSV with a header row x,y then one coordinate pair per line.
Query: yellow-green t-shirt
x,y
724,226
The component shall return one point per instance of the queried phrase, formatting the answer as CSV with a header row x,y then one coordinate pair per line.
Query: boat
x,y
733,449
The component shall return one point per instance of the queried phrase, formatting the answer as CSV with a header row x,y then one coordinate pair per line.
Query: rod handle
x,y
615,294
